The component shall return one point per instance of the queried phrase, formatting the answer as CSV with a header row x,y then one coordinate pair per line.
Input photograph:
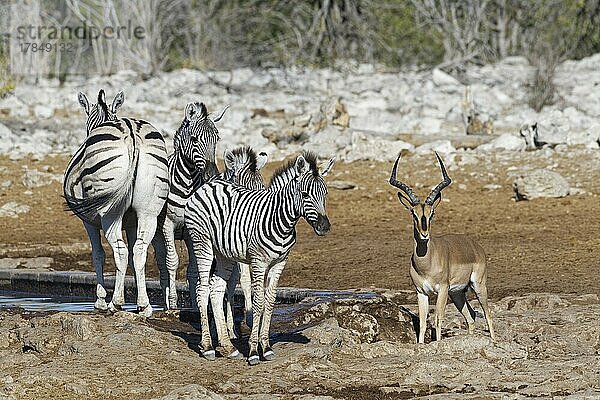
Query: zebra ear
x,y
328,167
191,110
101,97
301,166
261,160
203,111
84,102
117,102
229,159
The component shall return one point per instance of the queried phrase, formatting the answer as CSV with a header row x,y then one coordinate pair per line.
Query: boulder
x,y
540,183
32,178
440,78
43,111
441,146
505,141
12,209
366,147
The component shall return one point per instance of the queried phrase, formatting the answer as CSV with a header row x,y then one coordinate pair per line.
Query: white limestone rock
x,y
505,141
440,78
12,209
371,148
540,183
441,146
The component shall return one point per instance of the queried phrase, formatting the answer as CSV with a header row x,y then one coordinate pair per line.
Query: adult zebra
x,y
190,165
257,228
120,170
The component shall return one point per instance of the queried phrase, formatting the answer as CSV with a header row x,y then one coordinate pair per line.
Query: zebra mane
x,y
286,171
245,155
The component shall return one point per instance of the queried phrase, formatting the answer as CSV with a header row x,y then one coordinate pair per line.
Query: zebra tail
x,y
117,197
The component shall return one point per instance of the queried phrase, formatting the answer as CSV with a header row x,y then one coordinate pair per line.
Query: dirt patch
x,y
532,246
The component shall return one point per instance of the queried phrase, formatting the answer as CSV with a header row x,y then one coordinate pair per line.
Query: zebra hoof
x,y
145,311
210,355
101,305
112,307
269,354
254,359
235,355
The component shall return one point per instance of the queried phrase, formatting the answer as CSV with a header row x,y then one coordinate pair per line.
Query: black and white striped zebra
x,y
256,228
118,178
242,167
190,165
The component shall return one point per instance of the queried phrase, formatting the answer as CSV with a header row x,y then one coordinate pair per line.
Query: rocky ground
x,y
356,348
548,343
359,113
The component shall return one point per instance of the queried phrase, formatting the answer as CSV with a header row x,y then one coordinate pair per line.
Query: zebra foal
x,y
190,165
119,171
256,228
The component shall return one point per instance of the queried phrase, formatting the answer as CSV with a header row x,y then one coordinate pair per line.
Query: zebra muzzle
x,y
321,225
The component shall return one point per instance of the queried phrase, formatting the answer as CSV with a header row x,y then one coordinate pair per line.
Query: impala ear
x,y
301,166
228,159
261,160
437,200
117,102
191,110
405,202
328,167
84,102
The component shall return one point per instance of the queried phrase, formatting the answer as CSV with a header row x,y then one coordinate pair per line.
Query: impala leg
x,y
245,283
265,322
258,302
98,258
204,255
111,225
440,308
480,290
423,301
460,301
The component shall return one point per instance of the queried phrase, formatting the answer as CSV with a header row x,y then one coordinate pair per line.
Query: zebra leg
x,y
172,260
218,283
131,235
192,272
258,301
160,255
231,284
98,258
265,322
111,225
146,227
245,283
204,255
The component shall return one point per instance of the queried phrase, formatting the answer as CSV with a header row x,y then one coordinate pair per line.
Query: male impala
x,y
444,265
